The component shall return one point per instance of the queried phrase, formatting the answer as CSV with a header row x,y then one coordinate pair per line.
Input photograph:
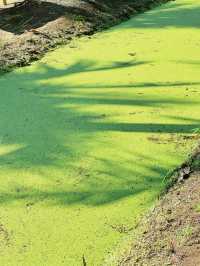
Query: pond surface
x,y
89,134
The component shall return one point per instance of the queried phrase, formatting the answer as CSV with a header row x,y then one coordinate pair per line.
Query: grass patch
x,y
197,208
183,234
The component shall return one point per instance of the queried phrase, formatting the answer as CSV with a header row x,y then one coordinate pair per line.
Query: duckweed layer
x,y
89,133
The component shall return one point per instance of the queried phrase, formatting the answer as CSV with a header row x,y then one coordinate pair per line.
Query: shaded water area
x,y
89,133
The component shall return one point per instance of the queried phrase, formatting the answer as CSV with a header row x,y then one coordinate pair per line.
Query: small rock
x,y
184,173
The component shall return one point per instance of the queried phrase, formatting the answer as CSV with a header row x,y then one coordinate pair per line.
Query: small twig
x,y
84,261
35,31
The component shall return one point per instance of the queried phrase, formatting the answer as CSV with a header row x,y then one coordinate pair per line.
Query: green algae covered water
x,y
88,135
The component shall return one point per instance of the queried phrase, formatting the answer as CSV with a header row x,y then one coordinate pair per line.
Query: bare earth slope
x,y
170,235
28,31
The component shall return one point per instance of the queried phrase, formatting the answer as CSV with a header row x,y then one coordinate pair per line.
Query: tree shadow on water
x,y
95,192
184,15
54,128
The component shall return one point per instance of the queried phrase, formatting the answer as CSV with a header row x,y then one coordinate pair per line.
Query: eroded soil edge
x,y
29,30
170,234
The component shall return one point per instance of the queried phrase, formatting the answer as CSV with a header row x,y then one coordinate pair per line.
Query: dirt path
x,y
89,134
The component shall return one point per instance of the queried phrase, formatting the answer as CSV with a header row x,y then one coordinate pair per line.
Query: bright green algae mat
x,y
89,133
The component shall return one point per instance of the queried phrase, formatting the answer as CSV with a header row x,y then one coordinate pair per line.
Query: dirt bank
x,y
28,31
171,233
